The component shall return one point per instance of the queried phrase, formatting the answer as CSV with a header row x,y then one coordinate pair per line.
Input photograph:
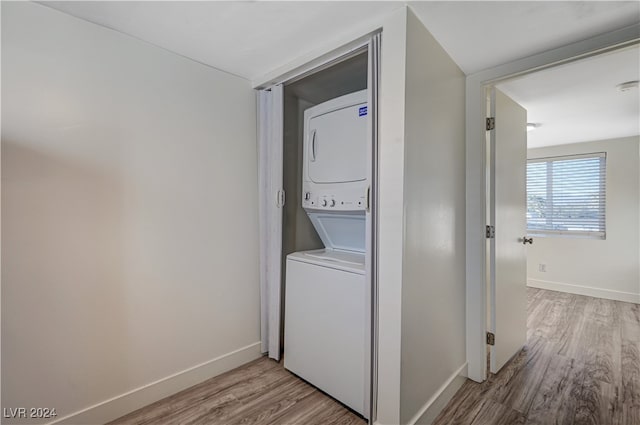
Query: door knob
x,y
526,240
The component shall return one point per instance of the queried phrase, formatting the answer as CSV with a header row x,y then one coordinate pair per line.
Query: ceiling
x,y
247,39
483,34
579,101
250,39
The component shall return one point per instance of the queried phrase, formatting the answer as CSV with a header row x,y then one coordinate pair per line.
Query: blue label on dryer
x,y
362,111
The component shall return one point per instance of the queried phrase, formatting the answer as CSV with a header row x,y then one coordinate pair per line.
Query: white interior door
x,y
508,261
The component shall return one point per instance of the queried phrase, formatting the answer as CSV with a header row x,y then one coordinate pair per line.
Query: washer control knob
x,y
332,203
324,203
307,196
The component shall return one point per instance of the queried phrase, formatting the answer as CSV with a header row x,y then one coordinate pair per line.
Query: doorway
x,y
477,294
582,129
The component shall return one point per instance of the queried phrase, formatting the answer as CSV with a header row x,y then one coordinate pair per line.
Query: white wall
x,y
433,272
607,268
129,217
421,225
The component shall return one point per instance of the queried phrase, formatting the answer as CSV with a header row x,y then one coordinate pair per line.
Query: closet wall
x,y
422,224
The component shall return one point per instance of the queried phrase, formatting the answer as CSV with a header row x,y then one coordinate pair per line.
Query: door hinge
x,y
490,231
491,338
491,123
280,198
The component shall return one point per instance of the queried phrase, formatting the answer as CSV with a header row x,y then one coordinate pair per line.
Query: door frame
x,y
371,44
476,178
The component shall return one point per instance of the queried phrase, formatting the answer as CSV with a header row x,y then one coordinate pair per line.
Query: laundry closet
x,y
375,321
325,290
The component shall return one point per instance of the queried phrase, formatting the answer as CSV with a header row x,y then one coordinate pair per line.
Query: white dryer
x,y
325,302
335,155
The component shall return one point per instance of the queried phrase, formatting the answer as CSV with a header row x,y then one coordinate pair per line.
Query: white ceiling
x,y
483,34
250,39
579,101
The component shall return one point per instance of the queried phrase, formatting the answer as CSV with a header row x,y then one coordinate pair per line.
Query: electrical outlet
x,y
542,267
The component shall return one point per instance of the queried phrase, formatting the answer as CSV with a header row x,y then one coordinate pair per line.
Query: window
x,y
566,195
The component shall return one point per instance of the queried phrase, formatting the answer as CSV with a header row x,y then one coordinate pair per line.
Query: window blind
x,y
566,195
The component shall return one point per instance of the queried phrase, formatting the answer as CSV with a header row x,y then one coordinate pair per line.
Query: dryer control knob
x,y
324,203
332,203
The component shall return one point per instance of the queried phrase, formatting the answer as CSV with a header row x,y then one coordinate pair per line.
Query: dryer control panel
x,y
340,200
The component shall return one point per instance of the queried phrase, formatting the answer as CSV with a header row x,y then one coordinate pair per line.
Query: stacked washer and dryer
x,y
325,304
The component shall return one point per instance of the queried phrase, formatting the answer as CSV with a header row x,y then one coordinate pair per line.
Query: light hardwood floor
x,y
260,392
581,365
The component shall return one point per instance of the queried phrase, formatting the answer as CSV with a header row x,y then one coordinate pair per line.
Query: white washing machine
x,y
325,323
326,333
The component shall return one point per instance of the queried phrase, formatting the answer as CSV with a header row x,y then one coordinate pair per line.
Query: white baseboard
x,y
608,294
439,400
120,405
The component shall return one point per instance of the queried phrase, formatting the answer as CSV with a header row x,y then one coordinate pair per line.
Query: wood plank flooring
x,y
260,392
581,365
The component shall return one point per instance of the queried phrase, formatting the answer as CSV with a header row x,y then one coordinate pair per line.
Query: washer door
x,y
345,232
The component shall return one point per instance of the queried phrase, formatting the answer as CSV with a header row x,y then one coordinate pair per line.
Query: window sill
x,y
567,235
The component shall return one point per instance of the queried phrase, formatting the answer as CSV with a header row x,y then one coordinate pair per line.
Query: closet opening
x,y
325,328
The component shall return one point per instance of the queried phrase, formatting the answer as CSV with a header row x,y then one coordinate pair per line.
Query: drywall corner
x,y
433,273
390,227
